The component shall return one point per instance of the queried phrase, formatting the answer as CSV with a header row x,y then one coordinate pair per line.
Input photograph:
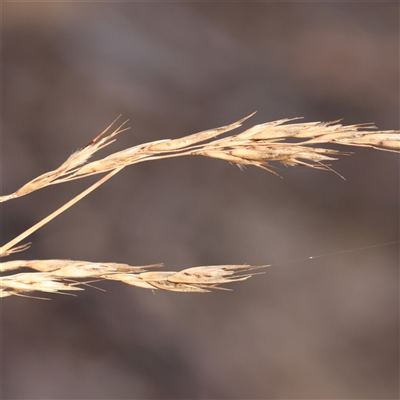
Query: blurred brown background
x,y
322,328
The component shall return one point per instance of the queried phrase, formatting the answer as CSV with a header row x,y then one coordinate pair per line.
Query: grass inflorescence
x,y
286,141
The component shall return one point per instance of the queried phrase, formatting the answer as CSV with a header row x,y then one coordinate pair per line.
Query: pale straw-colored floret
x,y
38,281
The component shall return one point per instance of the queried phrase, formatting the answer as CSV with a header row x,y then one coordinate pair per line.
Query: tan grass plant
x,y
257,146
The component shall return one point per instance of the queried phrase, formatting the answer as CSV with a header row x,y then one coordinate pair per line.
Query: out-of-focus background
x,y
308,328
